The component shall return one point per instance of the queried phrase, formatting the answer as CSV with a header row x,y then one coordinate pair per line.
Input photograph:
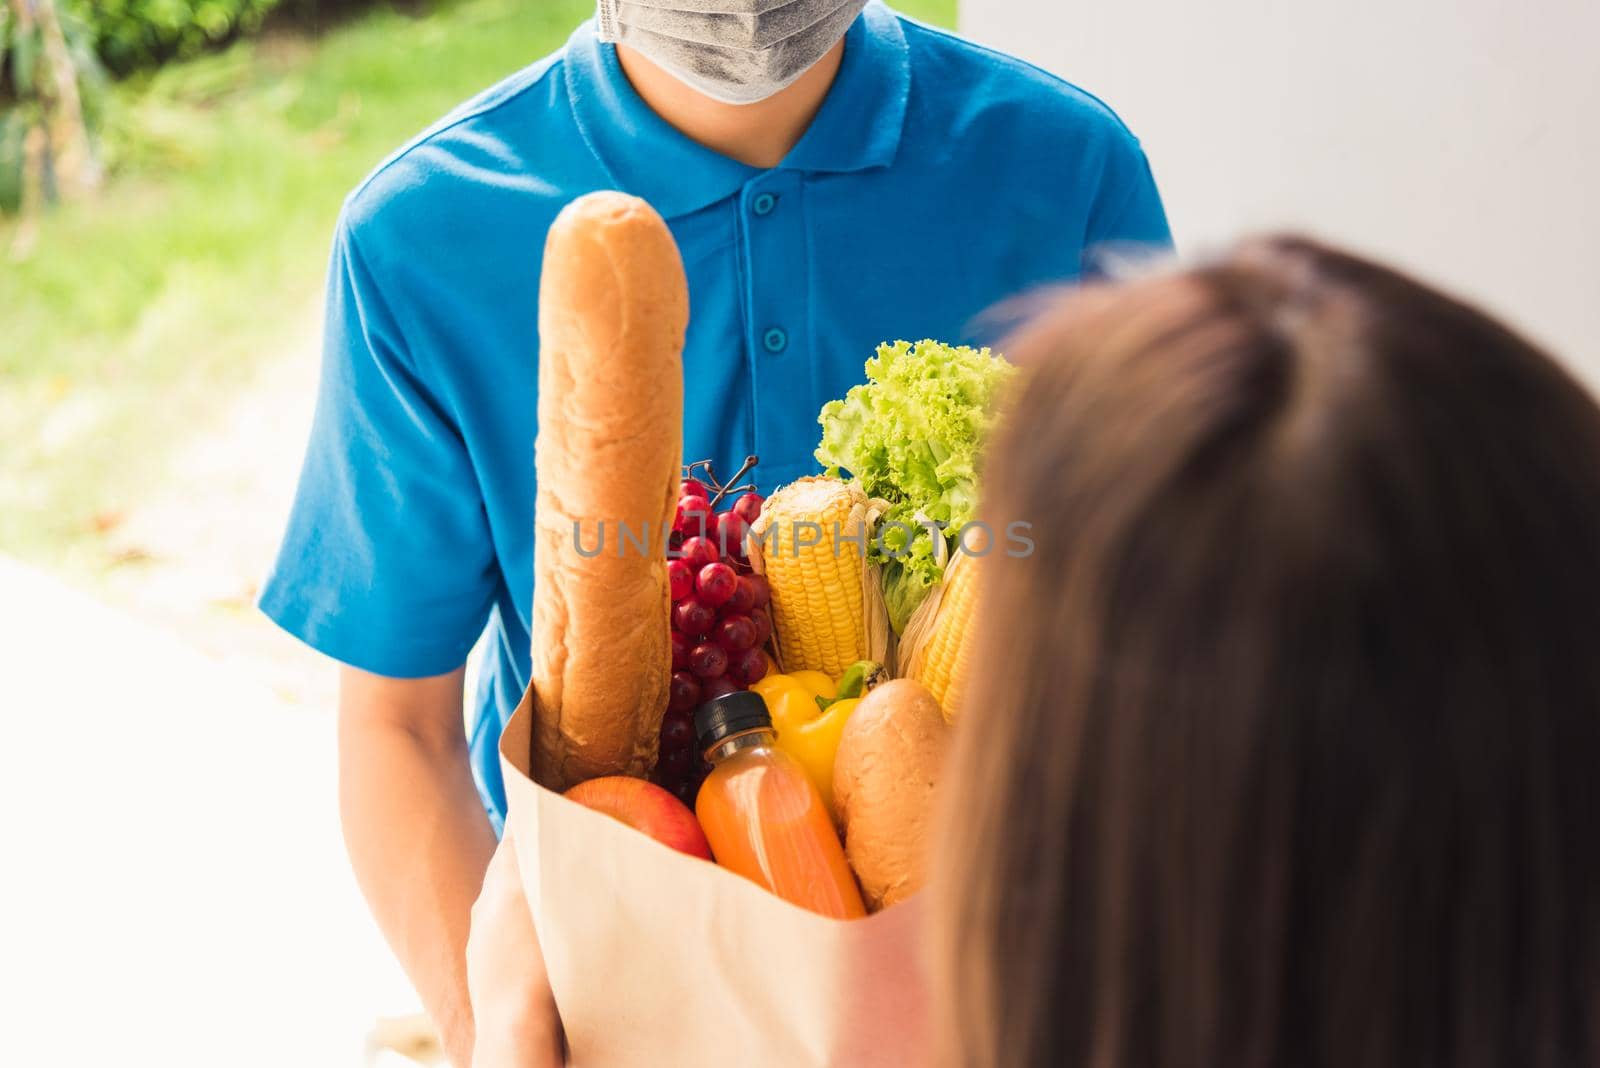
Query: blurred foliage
x,y
130,34
118,37
134,33
21,53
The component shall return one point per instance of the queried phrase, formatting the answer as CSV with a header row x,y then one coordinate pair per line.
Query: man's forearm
x,y
419,842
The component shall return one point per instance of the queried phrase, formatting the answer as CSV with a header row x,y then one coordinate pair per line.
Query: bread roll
x,y
613,308
884,776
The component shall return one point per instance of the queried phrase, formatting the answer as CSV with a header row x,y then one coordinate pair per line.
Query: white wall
x,y
1458,137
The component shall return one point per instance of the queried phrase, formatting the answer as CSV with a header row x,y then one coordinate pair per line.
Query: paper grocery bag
x,y
658,958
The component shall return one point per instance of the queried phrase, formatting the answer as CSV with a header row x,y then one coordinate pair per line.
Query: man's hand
x,y
513,1008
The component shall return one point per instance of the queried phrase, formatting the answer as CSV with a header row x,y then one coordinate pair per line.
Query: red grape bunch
x,y
720,620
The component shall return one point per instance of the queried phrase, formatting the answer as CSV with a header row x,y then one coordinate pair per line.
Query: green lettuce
x,y
911,434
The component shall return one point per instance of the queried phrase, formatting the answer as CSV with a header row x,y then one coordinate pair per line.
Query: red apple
x,y
646,807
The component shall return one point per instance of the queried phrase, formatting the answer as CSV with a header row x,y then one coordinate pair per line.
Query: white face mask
x,y
736,51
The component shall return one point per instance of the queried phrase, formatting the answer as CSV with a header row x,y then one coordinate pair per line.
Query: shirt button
x,y
764,204
775,340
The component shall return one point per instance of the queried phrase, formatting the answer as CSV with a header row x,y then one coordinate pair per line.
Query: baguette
x,y
613,309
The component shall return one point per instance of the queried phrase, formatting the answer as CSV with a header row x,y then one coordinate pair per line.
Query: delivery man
x,y
835,176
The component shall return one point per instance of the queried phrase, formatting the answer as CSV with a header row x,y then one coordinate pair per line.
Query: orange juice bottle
x,y
763,815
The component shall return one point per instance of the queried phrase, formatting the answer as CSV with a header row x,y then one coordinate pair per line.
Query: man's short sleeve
x,y
1128,213
387,563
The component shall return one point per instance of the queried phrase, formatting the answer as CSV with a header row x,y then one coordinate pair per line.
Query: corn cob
x,y
827,605
941,635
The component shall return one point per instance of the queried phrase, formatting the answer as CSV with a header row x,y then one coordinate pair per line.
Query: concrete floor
x,y
175,890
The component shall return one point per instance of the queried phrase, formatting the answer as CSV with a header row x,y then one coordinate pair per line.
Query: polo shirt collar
x,y
858,126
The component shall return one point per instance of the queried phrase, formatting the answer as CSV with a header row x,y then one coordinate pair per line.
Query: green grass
x,y
139,316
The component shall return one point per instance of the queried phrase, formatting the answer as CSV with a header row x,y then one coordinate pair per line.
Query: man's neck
x,y
758,134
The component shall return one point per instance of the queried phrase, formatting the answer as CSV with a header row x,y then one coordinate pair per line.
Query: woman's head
x,y
1295,709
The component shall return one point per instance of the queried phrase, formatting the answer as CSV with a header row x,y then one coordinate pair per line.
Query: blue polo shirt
x,y
937,180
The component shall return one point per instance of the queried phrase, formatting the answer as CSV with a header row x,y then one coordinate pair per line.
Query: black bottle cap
x,y
732,713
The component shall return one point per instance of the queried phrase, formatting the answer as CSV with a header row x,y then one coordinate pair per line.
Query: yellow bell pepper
x,y
817,682
807,730
789,703
816,741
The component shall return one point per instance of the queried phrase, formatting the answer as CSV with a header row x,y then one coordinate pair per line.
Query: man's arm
x,y
416,832
513,1007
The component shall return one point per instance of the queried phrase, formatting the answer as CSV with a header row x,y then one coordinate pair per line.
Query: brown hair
x,y
1289,750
